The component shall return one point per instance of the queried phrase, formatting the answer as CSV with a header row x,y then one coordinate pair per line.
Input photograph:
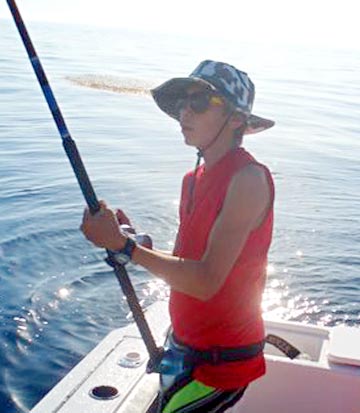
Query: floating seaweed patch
x,y
112,84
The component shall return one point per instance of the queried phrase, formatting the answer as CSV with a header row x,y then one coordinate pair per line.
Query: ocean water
x,y
58,298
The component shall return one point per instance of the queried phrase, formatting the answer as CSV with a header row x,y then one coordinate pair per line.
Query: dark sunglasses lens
x,y
199,103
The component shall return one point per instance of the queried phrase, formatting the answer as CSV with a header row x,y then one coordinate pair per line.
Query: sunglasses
x,y
199,102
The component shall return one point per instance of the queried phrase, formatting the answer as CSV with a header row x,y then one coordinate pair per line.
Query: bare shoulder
x,y
248,196
252,177
252,171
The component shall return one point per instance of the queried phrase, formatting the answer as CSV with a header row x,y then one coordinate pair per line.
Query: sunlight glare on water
x,y
63,293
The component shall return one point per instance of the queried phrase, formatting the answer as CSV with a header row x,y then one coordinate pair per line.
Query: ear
x,y
237,120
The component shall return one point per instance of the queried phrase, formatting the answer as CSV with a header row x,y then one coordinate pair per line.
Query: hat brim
x,y
256,124
167,95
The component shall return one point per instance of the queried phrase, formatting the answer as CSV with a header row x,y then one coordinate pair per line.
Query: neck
x,y
219,148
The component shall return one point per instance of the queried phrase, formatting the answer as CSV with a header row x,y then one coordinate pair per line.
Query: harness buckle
x,y
215,355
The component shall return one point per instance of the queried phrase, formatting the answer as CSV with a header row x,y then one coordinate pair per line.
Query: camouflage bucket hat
x,y
232,84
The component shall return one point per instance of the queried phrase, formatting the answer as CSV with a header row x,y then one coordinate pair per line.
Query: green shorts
x,y
189,395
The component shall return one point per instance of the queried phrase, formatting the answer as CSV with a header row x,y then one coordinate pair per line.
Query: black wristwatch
x,y
124,255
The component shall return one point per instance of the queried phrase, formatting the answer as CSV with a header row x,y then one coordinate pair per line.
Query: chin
x,y
188,139
190,142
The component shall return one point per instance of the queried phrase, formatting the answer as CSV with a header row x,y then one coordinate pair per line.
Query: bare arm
x,y
245,205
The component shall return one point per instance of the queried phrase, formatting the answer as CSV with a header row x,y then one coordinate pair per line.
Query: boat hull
x,y
312,383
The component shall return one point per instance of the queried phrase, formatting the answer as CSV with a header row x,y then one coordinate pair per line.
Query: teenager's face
x,y
200,128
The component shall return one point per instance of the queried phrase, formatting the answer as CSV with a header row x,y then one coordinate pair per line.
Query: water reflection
x,y
63,293
277,302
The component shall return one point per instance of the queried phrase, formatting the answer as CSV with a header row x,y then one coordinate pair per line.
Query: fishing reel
x,y
140,238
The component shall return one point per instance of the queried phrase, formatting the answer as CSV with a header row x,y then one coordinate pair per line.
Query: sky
x,y
325,22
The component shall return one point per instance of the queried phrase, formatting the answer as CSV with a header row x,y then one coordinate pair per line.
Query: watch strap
x,y
122,256
129,247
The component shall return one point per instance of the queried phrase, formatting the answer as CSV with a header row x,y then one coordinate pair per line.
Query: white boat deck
x,y
312,383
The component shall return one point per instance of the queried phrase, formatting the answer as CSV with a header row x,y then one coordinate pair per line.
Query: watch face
x,y
121,258
124,255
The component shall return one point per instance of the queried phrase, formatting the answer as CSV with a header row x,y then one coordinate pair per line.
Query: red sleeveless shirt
x,y
232,317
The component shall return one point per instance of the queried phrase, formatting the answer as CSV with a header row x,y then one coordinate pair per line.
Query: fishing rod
x,y
86,187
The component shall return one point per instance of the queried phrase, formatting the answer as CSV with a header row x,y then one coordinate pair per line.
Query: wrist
x,y
123,254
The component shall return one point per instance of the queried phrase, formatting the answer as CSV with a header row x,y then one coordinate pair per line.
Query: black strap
x,y
219,355
282,345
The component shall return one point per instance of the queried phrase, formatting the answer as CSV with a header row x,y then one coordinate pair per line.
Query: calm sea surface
x,y
58,298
